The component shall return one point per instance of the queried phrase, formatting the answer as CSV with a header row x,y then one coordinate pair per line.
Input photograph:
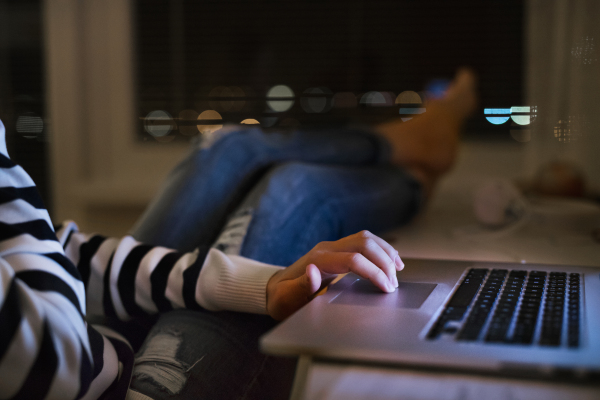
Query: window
x,y
305,62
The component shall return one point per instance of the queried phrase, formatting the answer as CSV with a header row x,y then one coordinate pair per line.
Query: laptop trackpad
x,y
364,293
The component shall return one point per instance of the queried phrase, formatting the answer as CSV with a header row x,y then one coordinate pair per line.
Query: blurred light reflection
x,y
214,97
237,101
408,97
377,99
280,98
316,100
500,115
209,121
159,123
517,115
409,102
29,125
584,51
570,129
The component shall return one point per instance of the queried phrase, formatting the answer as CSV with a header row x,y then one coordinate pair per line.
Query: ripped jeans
x,y
269,197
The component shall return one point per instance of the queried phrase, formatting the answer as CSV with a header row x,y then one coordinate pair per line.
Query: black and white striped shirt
x,y
47,349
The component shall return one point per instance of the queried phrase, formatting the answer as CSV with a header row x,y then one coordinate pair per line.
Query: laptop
x,y
524,320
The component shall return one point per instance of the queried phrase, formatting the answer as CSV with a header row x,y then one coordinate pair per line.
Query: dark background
x,y
187,48
22,87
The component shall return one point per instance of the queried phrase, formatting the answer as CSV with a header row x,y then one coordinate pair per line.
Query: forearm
x,y
126,278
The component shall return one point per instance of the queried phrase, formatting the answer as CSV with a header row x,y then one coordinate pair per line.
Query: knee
x,y
157,366
302,188
285,188
235,141
292,179
232,140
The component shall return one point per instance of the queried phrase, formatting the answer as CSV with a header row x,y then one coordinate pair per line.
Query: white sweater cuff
x,y
234,283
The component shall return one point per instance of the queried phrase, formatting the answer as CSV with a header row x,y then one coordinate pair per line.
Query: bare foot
x,y
427,145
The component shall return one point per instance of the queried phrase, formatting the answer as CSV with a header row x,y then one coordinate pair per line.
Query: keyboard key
x,y
459,302
510,303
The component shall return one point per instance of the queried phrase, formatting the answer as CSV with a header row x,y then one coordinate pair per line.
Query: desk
x,y
448,230
328,381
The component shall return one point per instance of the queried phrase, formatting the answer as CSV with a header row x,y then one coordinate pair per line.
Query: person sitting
x,y
215,238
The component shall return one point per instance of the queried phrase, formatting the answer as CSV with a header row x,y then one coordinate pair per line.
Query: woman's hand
x,y
363,253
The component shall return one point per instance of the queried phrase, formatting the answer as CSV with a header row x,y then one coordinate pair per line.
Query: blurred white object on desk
x,y
557,231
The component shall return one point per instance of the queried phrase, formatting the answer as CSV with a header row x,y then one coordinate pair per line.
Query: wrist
x,y
271,290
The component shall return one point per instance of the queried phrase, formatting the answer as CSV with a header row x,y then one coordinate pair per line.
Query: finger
x,y
374,253
365,243
313,279
335,262
364,268
391,251
388,248
293,294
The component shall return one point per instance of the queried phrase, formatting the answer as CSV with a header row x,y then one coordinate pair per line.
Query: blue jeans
x,y
270,197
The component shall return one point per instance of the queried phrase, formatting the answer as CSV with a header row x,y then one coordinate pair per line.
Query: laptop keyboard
x,y
513,307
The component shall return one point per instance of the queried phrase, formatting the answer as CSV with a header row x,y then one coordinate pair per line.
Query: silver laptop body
x,y
418,326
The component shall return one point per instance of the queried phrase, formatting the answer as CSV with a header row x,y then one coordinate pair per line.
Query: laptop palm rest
x,y
364,293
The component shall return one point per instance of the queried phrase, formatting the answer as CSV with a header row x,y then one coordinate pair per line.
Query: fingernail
x,y
390,286
395,280
399,263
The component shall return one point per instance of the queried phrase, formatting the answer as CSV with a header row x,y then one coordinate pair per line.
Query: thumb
x,y
305,286
295,293
313,279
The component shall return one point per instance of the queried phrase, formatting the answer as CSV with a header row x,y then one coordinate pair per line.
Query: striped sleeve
x,y
125,278
47,350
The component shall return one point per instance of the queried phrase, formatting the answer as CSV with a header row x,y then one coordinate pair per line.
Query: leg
x,y
210,183
207,186
298,205
204,355
427,145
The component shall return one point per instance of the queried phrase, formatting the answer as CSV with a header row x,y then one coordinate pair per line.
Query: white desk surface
x,y
448,230
355,382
